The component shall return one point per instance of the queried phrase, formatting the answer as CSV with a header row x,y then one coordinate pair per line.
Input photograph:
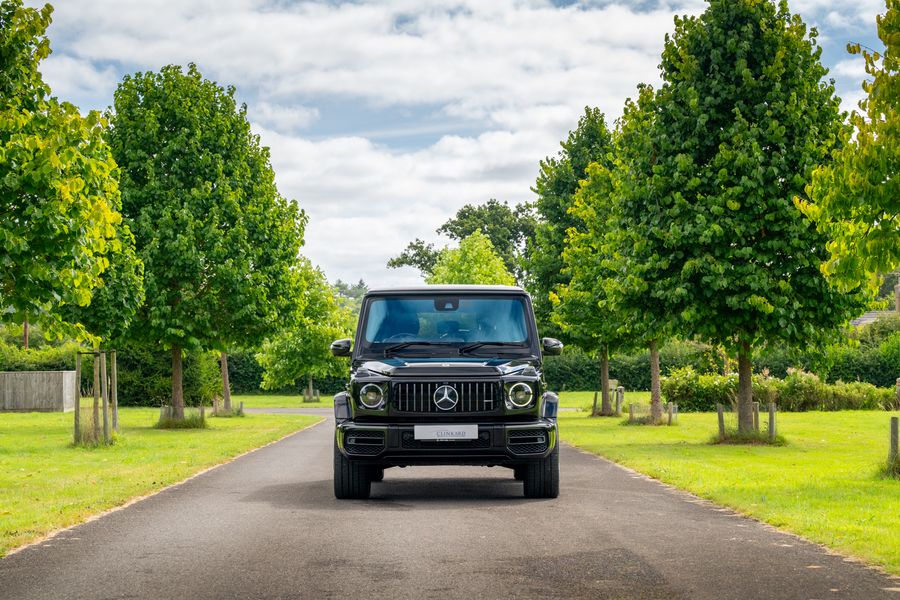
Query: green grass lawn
x,y
823,485
280,401
46,484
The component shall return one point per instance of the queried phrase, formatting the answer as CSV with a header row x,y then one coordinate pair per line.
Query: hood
x,y
445,367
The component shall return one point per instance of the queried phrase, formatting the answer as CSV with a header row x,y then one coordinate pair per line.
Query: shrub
x,y
695,393
799,391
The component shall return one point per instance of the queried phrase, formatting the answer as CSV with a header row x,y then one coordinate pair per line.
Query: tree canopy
x,y
58,190
301,348
556,186
474,262
218,242
855,200
507,227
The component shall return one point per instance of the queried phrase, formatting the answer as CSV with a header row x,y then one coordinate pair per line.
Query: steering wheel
x,y
399,337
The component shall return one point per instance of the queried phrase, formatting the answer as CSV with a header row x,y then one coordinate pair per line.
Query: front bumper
x,y
497,443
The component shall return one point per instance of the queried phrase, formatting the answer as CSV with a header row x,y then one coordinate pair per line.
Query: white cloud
x,y
283,118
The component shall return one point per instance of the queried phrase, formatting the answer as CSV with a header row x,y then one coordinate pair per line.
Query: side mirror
x,y
341,347
551,346
342,407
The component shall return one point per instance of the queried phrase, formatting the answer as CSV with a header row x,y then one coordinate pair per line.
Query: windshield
x,y
461,322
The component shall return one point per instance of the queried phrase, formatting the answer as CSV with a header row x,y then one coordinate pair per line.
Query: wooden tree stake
x,y
77,397
114,390
721,410
772,432
104,391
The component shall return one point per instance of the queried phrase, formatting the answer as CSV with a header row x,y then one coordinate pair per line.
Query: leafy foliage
x,y
301,349
556,186
856,200
507,228
799,391
58,212
474,262
219,244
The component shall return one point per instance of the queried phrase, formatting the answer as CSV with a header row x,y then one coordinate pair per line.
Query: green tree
x,y
556,186
218,243
507,228
855,200
301,349
581,307
742,118
58,190
474,262
417,254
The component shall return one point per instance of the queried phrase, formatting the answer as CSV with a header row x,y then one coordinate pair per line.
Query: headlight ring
x,y
371,396
520,395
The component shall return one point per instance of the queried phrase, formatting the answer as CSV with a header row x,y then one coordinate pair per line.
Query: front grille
x,y
409,442
473,397
366,442
527,441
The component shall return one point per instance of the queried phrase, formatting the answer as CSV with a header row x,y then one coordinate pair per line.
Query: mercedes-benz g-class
x,y
446,375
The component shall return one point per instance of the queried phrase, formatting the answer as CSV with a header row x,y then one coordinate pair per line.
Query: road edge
x,y
136,499
738,513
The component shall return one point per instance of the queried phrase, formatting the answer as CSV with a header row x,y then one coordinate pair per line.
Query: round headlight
x,y
520,394
371,396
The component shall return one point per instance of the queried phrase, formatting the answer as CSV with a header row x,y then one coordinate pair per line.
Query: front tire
x,y
542,477
351,479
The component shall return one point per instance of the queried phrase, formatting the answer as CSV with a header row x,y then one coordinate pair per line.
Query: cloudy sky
x,y
385,117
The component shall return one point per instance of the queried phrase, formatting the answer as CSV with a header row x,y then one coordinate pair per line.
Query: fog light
x,y
520,395
371,396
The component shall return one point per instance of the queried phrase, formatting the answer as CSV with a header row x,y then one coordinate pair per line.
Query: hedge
x,y
245,377
799,391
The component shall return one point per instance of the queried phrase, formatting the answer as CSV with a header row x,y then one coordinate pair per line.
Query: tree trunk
x,y
745,389
177,389
605,403
226,386
25,333
309,389
655,395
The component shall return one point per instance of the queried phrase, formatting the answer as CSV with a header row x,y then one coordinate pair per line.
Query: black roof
x,y
448,289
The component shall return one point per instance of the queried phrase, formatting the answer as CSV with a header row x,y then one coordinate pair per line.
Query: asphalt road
x,y
267,526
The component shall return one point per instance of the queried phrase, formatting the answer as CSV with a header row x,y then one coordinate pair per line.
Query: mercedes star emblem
x,y
446,397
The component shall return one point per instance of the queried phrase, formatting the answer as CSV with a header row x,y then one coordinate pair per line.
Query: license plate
x,y
445,432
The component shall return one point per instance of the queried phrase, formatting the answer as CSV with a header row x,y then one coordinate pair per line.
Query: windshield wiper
x,y
470,347
394,347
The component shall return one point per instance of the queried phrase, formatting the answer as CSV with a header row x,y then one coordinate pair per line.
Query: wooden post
x,y
675,406
215,405
594,410
114,390
756,417
669,410
895,447
77,397
631,412
242,408
95,426
202,412
772,432
104,387
620,399
317,395
721,410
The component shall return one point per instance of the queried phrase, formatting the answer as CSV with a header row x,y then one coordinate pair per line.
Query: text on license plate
x,y
446,432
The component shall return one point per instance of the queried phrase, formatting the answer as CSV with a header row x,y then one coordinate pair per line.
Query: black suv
x,y
446,375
